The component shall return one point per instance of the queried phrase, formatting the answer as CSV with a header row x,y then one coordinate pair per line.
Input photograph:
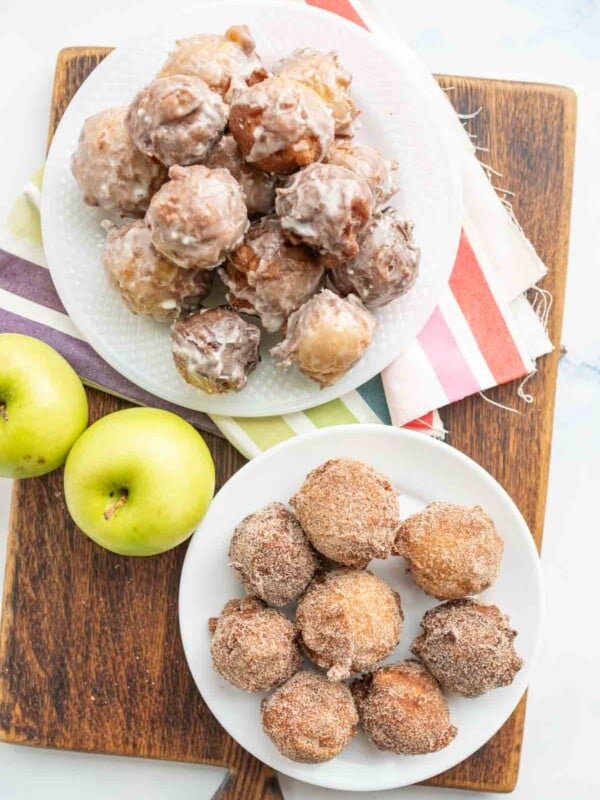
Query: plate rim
x,y
205,404
436,446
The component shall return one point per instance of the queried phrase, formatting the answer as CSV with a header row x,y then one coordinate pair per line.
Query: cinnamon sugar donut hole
x,y
226,63
281,125
215,349
468,646
309,718
348,621
387,264
253,647
452,550
403,710
258,187
382,175
349,511
149,283
176,119
326,207
110,171
268,277
271,555
325,337
323,73
198,216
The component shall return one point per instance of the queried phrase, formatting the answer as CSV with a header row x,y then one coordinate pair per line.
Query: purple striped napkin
x,y
30,305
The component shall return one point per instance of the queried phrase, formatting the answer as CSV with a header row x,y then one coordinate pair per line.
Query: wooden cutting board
x,y
90,655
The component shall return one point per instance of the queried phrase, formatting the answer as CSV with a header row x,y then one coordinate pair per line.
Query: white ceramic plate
x,y
424,470
395,117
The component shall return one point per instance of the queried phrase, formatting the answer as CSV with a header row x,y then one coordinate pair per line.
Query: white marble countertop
x,y
554,41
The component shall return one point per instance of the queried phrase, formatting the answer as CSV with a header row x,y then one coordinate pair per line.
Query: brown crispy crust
x,y
403,710
468,646
253,647
271,555
452,550
349,511
310,719
348,621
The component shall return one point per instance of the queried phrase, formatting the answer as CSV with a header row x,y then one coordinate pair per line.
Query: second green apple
x,y
139,481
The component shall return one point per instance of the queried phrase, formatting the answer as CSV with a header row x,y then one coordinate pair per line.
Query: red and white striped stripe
x,y
471,341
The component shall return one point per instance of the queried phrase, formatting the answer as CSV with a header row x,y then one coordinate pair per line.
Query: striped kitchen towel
x,y
483,333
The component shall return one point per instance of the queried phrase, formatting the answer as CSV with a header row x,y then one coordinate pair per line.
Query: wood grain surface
x,y
90,655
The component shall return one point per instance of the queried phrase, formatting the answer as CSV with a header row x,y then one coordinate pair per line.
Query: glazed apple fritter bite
x,y
325,337
382,174
387,264
215,349
323,73
226,63
198,216
110,171
281,125
148,282
268,277
325,207
258,187
176,119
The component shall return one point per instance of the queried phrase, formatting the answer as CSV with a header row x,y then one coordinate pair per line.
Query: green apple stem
x,y
112,509
3,414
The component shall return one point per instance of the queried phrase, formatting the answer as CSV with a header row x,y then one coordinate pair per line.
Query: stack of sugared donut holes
x,y
347,620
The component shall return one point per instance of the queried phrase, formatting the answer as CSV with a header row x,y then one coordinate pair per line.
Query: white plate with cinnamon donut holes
x,y
358,245
351,492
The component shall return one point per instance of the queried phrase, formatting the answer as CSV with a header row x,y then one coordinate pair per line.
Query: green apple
x,y
139,481
43,407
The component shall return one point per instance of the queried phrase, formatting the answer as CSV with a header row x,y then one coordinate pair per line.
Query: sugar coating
x,y
176,119
325,337
309,718
268,277
226,63
325,207
349,511
403,710
324,74
110,171
468,646
253,647
148,282
452,550
271,555
387,264
348,621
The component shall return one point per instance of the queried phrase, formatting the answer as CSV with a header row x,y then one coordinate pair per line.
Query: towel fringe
x,y
542,305
498,405
527,398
